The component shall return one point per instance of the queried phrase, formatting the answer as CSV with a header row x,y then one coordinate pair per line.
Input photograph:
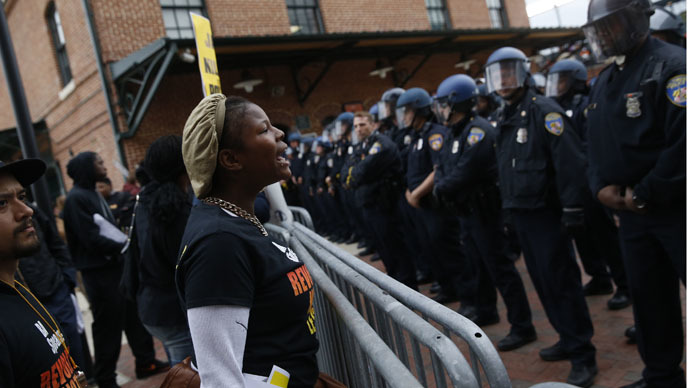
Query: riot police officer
x,y
466,180
388,122
541,164
440,231
290,187
636,123
342,131
597,243
378,183
488,105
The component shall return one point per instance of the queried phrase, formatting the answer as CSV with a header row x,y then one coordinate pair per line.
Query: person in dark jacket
x,y
541,167
160,220
377,181
51,276
121,203
97,257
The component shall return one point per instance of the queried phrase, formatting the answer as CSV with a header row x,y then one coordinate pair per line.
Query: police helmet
x,y
614,27
389,99
294,136
374,111
563,75
457,93
506,68
417,100
321,142
664,20
343,123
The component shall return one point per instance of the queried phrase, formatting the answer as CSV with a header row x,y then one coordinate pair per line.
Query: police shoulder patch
x,y
676,91
476,135
436,141
375,148
554,123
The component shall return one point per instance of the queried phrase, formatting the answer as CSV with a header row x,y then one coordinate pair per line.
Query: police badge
x,y
456,145
632,104
420,143
407,139
521,136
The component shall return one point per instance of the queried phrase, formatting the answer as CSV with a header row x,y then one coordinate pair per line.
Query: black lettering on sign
x,y
214,88
210,66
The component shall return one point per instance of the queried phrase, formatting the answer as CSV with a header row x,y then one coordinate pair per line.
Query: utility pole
x,y
25,128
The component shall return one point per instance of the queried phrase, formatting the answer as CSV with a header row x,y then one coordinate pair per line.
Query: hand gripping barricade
x,y
376,332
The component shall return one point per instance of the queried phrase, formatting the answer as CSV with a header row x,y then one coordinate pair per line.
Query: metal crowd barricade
x,y
350,350
483,356
416,342
302,216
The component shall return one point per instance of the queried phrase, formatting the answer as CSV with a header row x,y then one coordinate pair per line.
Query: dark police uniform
x,y
440,231
597,243
353,156
541,164
377,179
466,180
636,128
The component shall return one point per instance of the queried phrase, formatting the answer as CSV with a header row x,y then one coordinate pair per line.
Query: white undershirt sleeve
x,y
219,334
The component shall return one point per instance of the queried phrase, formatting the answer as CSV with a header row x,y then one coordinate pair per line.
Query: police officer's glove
x,y
573,220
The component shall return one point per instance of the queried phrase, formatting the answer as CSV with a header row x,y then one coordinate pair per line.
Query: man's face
x,y
363,127
104,188
99,166
18,237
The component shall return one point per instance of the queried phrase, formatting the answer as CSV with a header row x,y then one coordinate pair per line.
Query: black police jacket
x,y
379,168
636,125
574,107
339,157
354,155
468,160
310,170
541,162
323,166
425,153
297,164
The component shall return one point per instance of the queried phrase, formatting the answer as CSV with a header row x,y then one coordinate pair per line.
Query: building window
x,y
178,23
497,13
438,14
305,17
58,38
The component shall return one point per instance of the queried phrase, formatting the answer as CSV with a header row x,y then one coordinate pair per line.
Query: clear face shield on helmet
x,y
557,84
338,130
507,74
383,110
400,114
441,109
617,33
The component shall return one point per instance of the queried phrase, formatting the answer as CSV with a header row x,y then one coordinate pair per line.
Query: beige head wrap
x,y
200,141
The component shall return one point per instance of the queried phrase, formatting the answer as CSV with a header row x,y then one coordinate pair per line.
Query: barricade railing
x,y
350,350
415,341
302,216
482,354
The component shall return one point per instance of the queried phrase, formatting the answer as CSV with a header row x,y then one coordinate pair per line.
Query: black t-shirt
x,y
31,354
225,260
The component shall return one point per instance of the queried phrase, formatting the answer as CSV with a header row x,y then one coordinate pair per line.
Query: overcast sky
x,y
566,13
555,13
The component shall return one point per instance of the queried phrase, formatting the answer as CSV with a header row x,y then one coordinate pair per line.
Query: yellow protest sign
x,y
208,66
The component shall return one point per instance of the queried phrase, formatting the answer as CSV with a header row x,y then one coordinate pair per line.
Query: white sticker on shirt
x,y
288,252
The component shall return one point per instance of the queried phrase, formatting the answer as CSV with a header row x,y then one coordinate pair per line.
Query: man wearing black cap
x,y
32,346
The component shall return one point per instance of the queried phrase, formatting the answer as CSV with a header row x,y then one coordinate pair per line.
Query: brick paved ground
x,y
619,363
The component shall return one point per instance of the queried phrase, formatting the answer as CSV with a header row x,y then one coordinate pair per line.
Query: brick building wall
x,y
79,121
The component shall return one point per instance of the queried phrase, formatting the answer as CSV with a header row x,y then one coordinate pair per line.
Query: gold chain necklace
x,y
237,210
81,377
